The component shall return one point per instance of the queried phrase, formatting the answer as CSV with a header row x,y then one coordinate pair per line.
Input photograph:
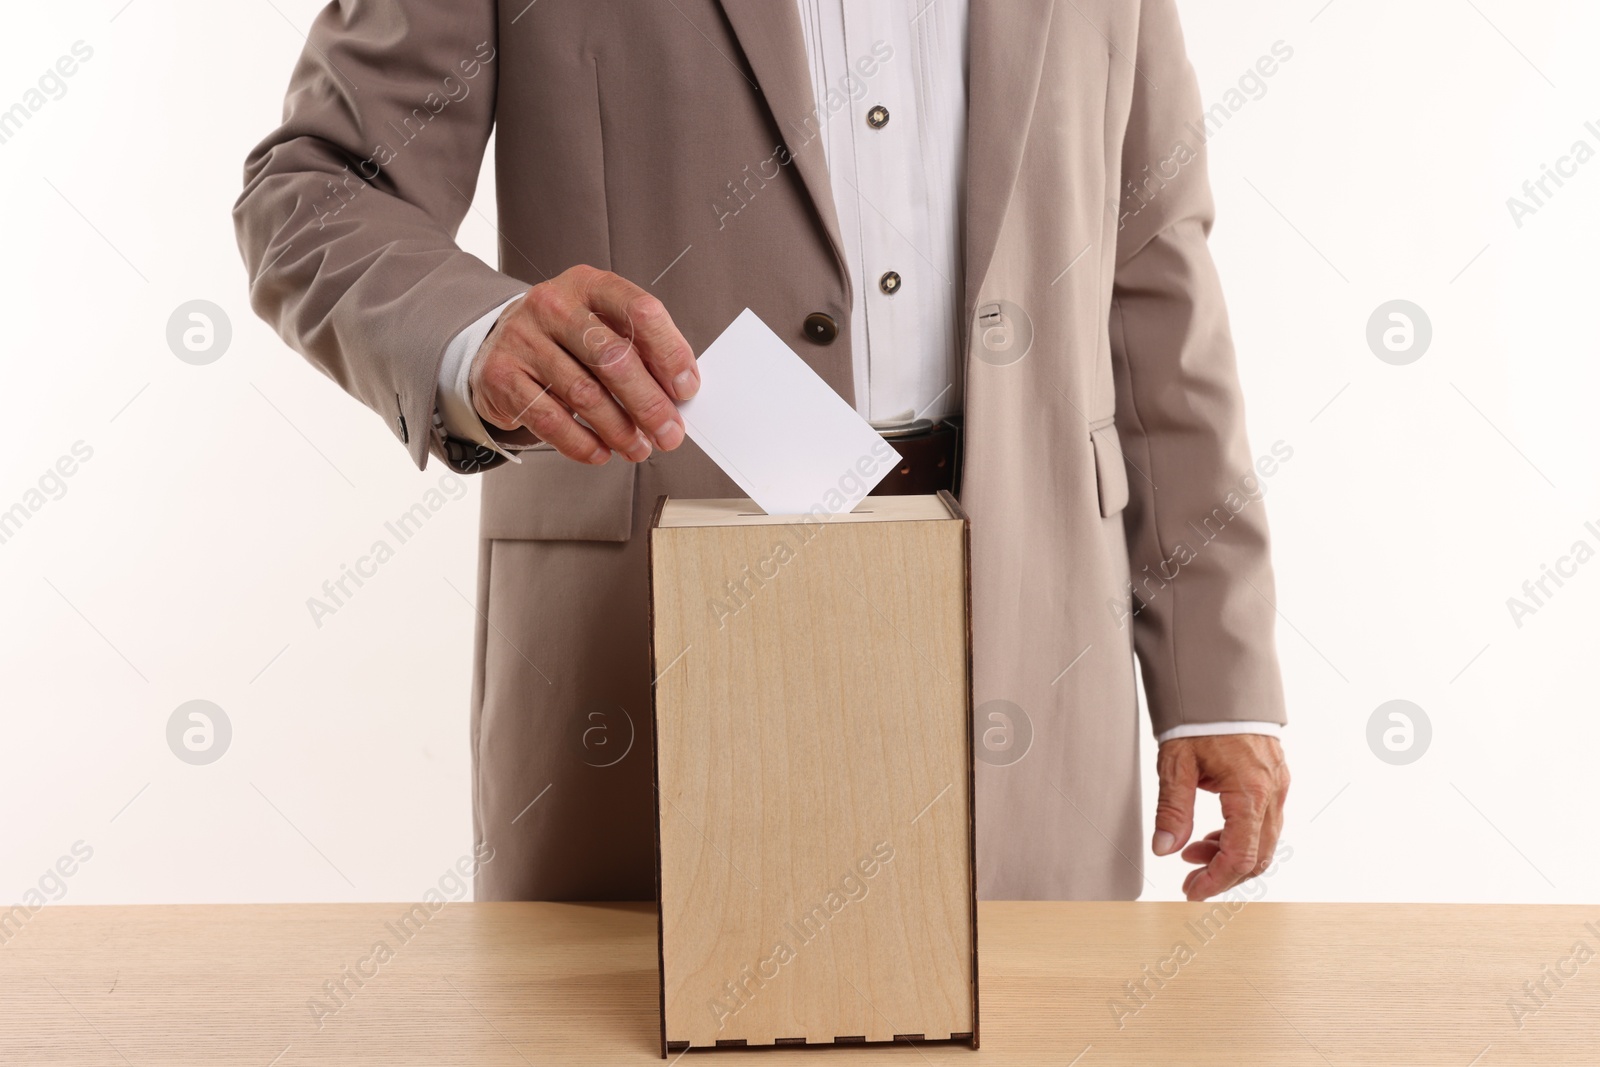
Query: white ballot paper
x,y
789,441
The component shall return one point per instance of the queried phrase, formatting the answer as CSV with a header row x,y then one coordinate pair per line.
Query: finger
x,y
613,361
1201,851
1272,824
1179,771
648,405
1243,810
1271,829
642,318
571,381
512,397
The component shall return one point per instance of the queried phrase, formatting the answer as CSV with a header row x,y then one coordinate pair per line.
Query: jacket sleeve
x,y
350,208
1202,588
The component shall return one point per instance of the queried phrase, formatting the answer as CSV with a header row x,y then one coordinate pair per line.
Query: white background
x,y
219,498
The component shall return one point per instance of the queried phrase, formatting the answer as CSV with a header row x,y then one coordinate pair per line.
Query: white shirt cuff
x,y
456,410
1212,729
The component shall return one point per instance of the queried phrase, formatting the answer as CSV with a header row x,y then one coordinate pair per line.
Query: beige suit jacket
x,y
675,142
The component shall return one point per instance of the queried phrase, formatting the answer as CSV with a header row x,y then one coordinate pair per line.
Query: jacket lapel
x,y
1005,50
773,43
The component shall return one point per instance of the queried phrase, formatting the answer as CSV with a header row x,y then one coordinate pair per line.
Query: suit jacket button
x,y
821,328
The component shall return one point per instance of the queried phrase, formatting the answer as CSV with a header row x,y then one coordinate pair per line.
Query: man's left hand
x,y
1249,774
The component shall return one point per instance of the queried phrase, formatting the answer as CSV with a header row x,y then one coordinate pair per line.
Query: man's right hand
x,y
586,343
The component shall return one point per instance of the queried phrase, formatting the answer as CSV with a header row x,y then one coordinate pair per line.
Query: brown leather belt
x,y
931,459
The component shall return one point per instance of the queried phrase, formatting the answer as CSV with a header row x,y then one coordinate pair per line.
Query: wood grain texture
x,y
812,740
503,985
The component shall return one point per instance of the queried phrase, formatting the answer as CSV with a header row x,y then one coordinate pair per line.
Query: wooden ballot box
x,y
813,710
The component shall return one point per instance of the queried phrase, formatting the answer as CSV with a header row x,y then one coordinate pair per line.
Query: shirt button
x,y
889,284
820,328
878,117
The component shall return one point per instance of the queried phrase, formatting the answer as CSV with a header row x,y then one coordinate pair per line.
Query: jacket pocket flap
x,y
548,497
1110,470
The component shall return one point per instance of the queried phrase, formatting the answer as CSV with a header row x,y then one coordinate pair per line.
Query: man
x,y
999,213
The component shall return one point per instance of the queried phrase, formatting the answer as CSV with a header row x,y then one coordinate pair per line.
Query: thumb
x,y
1179,772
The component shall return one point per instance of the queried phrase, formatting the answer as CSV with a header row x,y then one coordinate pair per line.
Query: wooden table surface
x,y
492,984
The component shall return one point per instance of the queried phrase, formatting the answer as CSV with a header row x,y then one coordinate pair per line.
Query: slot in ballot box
x,y
813,732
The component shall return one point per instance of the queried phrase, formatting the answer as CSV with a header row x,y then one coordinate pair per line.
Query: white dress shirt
x,y
890,79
